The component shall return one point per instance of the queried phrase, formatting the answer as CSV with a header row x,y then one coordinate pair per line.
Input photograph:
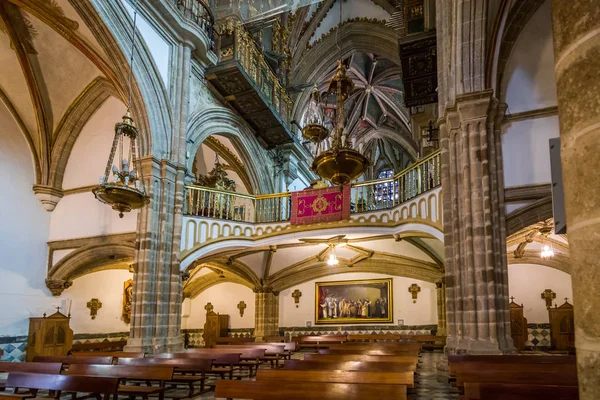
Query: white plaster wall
x,y
24,228
526,282
423,312
529,75
224,298
106,286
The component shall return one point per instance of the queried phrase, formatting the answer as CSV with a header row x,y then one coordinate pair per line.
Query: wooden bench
x,y
376,346
318,341
250,356
187,371
360,357
68,360
454,360
103,346
533,374
383,337
405,379
361,366
98,387
266,390
275,339
274,352
374,352
32,367
148,374
223,363
235,340
502,391
115,354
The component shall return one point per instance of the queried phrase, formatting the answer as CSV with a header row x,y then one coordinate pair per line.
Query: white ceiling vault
x,y
289,263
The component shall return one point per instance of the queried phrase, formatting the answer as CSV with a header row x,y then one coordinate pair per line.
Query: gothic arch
x,y
224,122
521,218
196,286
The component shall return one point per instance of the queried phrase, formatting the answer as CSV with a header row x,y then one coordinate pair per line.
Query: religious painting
x,y
127,300
354,302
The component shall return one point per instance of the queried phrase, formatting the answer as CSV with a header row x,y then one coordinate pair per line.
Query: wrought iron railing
x,y
368,196
199,12
243,48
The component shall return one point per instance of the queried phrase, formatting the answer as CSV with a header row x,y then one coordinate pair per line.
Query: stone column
x,y
266,320
441,307
476,269
576,27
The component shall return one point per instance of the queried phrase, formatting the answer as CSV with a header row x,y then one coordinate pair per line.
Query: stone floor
x,y
427,387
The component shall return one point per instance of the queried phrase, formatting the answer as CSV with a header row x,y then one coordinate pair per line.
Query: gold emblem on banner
x,y
319,204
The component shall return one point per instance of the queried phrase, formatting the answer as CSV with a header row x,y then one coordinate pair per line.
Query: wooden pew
x,y
98,386
160,374
223,363
68,360
533,374
318,341
380,352
274,352
361,366
250,356
235,340
115,354
382,337
275,339
454,360
360,357
376,346
266,390
502,391
103,346
32,367
195,370
404,379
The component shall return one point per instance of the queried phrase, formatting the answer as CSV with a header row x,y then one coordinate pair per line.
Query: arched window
x,y
384,191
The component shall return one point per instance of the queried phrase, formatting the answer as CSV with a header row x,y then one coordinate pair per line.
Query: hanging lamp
x,y
315,130
126,190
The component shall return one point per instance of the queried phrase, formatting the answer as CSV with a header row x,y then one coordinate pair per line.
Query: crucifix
x,y
296,295
94,305
241,306
548,295
414,289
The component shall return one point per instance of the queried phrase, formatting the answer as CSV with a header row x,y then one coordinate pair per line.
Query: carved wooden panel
x,y
419,71
518,326
49,336
562,327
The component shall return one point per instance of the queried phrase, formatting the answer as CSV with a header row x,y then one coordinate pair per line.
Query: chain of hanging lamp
x,y
127,190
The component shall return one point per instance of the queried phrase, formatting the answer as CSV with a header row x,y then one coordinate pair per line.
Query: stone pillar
x,y
478,318
156,309
441,307
266,320
576,27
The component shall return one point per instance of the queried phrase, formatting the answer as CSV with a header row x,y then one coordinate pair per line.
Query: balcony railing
x,y
245,50
199,12
368,196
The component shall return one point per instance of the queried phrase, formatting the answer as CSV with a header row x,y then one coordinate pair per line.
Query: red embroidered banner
x,y
320,205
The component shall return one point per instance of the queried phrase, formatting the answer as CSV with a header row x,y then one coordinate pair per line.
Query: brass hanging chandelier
x,y
126,191
340,164
315,130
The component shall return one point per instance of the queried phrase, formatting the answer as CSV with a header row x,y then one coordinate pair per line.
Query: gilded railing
x,y
244,49
199,12
367,196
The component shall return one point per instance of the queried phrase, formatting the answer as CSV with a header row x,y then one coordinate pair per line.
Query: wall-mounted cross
x,y
241,306
296,295
209,308
548,295
414,289
94,305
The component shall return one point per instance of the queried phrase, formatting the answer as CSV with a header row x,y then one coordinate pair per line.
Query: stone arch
x,y
404,142
224,122
560,261
92,258
521,218
196,286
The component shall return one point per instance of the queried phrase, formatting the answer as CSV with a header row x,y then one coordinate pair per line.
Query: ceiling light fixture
x,y
333,260
547,251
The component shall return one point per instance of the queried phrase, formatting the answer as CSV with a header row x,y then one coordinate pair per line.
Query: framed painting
x,y
354,302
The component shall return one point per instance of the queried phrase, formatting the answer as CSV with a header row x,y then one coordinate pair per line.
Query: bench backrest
x,y
277,348
320,339
196,364
558,374
376,345
454,360
218,358
232,340
33,367
88,384
115,354
289,346
103,346
361,357
373,352
152,373
246,352
501,391
74,360
337,376
266,390
366,366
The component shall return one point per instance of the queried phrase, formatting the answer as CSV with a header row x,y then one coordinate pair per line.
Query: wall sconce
x,y
241,306
548,295
296,295
94,305
414,289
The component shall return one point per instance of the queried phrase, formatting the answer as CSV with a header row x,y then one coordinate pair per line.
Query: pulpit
x,y
216,326
49,336
518,325
562,326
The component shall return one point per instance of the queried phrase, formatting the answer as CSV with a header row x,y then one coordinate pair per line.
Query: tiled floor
x,y
427,386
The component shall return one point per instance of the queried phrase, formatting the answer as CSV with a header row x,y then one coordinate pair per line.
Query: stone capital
x,y
475,106
57,286
48,196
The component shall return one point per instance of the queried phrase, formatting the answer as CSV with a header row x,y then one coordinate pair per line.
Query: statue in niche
x,y
127,300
